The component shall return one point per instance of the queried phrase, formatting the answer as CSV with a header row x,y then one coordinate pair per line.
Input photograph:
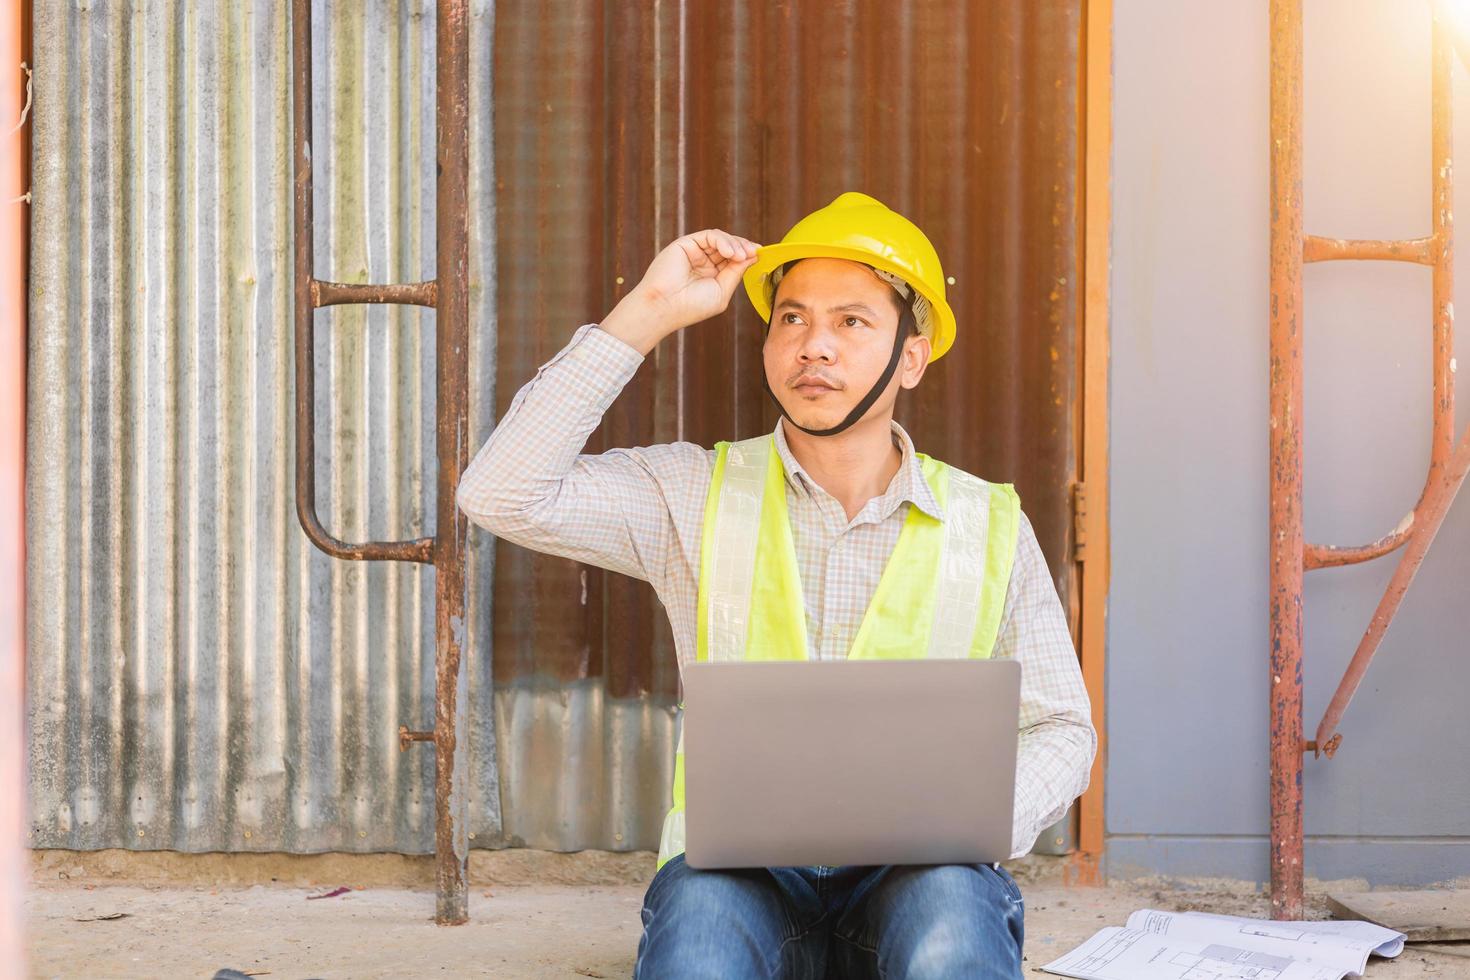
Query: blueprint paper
x,y
1132,954
1380,941
1181,946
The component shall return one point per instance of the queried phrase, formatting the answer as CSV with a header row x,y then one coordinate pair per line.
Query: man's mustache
x,y
806,375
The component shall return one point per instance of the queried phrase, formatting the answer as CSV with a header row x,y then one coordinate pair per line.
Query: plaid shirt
x,y
641,512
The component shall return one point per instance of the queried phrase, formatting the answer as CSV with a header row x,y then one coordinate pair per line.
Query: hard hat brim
x,y
770,257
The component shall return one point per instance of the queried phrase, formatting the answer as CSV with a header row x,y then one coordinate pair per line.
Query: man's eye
x,y
854,321
788,318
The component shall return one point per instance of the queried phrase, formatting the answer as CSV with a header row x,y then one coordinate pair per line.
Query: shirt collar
x,y
908,484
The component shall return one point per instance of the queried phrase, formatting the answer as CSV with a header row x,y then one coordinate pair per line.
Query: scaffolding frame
x,y
1291,556
448,295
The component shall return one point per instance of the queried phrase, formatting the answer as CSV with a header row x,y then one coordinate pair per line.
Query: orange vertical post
x,y
1085,867
1286,544
12,484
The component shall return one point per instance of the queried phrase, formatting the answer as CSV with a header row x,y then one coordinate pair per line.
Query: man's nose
x,y
817,345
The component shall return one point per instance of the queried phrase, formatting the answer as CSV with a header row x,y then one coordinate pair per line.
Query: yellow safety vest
x,y
941,593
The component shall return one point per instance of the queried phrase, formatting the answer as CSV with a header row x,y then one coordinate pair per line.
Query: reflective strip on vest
x,y
727,561
941,594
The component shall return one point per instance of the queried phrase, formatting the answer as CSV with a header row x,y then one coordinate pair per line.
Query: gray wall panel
x,y
1188,674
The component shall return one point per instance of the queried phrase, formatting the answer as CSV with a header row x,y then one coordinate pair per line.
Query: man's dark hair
x,y
908,325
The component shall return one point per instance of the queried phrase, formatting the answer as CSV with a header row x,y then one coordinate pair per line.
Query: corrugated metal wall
x,y
620,126
197,671
200,677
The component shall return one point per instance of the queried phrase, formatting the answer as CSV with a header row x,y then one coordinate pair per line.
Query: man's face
x,y
831,335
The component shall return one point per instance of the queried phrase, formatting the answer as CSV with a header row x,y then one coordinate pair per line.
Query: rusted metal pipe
x,y
407,737
305,287
410,293
1442,213
1442,493
1286,459
1442,484
448,294
1331,556
452,268
1420,250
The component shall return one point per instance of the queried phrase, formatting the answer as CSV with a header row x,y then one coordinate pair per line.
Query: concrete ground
x,y
532,915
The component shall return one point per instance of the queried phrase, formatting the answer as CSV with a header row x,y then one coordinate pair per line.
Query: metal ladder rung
x,y
1423,251
1332,555
324,293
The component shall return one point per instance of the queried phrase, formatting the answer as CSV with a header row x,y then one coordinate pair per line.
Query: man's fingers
x,y
744,248
714,243
695,253
729,277
730,274
719,244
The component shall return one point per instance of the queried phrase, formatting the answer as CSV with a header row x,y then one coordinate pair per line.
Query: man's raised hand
x,y
691,280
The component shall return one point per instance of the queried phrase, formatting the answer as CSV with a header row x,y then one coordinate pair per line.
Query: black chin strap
x,y
861,408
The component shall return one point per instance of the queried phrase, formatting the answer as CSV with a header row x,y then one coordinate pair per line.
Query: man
x,y
854,299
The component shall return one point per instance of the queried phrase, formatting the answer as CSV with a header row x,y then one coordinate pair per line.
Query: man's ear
x,y
914,361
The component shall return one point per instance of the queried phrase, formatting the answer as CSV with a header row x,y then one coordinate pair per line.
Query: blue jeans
x,y
912,921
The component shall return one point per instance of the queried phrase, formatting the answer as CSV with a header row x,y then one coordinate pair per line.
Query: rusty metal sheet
x,y
192,650
620,126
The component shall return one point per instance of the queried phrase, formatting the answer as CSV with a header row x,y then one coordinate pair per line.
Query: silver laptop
x,y
849,762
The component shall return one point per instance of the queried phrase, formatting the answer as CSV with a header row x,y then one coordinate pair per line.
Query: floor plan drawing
x,y
1157,945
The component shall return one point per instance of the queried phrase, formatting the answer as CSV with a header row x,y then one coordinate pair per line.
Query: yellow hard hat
x,y
861,229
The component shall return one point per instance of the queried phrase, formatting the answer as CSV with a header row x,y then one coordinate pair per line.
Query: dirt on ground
x,y
532,915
